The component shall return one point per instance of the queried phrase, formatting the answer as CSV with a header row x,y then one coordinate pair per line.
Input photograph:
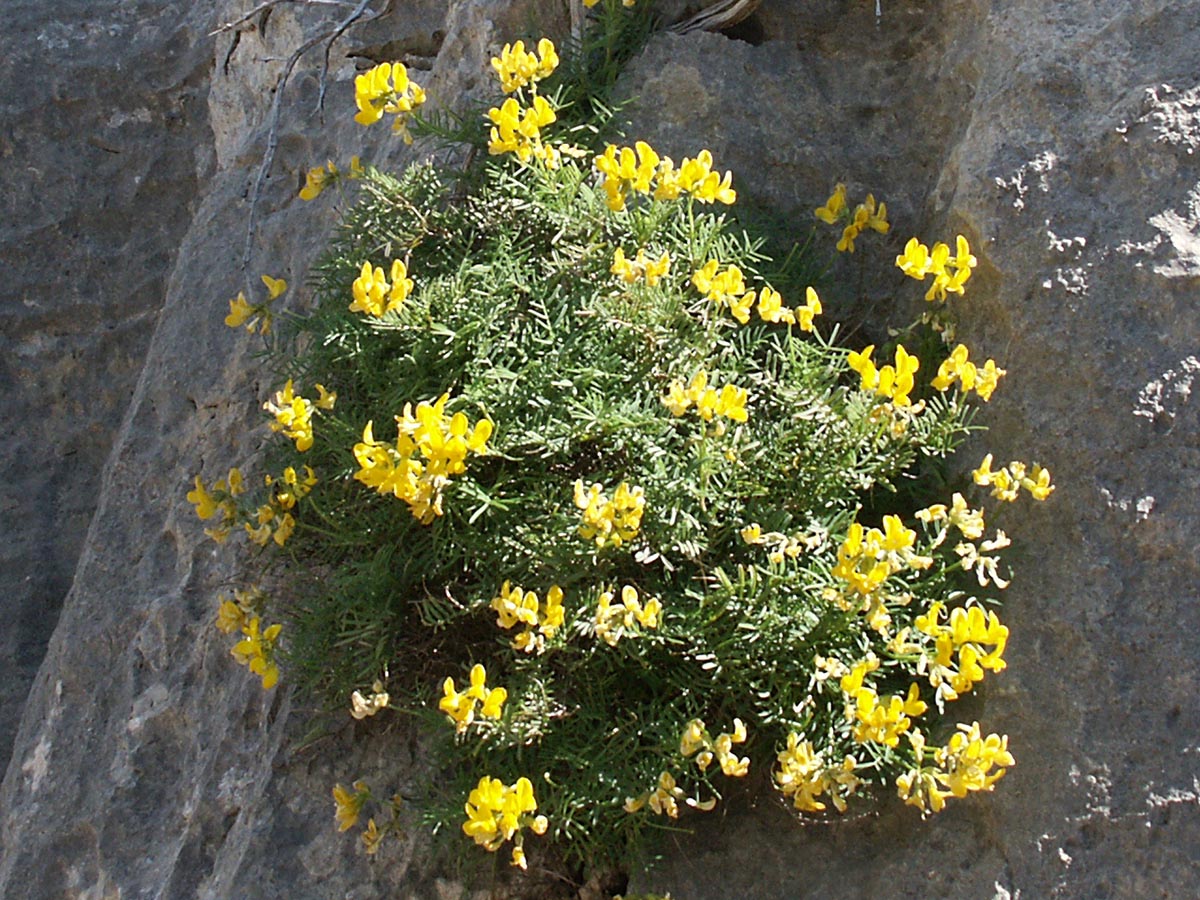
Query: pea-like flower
x,y
610,523
517,68
387,89
460,707
497,813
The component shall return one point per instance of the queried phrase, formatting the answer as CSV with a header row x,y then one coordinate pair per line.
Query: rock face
x,y
106,147
1060,138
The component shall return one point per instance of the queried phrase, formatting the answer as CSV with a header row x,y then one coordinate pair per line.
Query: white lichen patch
x,y
1143,506
1033,173
1173,115
1163,396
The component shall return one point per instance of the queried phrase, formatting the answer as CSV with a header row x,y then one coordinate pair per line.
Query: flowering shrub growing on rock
x,y
571,472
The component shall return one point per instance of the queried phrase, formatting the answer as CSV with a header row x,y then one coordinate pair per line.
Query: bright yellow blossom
x,y
460,707
293,416
387,89
1006,483
810,310
516,68
950,273
497,813
642,268
514,606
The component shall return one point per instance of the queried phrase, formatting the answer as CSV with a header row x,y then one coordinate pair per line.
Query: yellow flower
x,y
256,651
834,206
612,621
1038,484
610,523
517,68
497,813
460,707
325,399
861,363
387,89
239,311
206,504
348,804
771,309
811,309
896,382
966,763
317,179
230,617
372,838
914,261
293,416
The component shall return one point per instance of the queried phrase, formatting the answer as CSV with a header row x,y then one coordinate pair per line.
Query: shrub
x,y
570,475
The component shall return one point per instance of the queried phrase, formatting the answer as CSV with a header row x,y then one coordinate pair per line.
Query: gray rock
x,y
1061,139
105,148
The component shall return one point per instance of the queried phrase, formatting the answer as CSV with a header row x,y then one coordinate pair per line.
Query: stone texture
x,y
1060,138
105,145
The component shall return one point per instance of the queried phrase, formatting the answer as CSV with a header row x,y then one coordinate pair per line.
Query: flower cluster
x,y
664,799
729,402
865,215
876,719
640,268
274,520
610,523
518,131
514,606
430,447
242,312
698,742
615,620
234,613
460,707
496,813
967,635
1006,483
893,382
221,498
725,288
257,650
293,414
642,171
321,177
628,4
374,295
869,556
803,776
387,89
964,765
950,273
516,68
348,806
958,367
